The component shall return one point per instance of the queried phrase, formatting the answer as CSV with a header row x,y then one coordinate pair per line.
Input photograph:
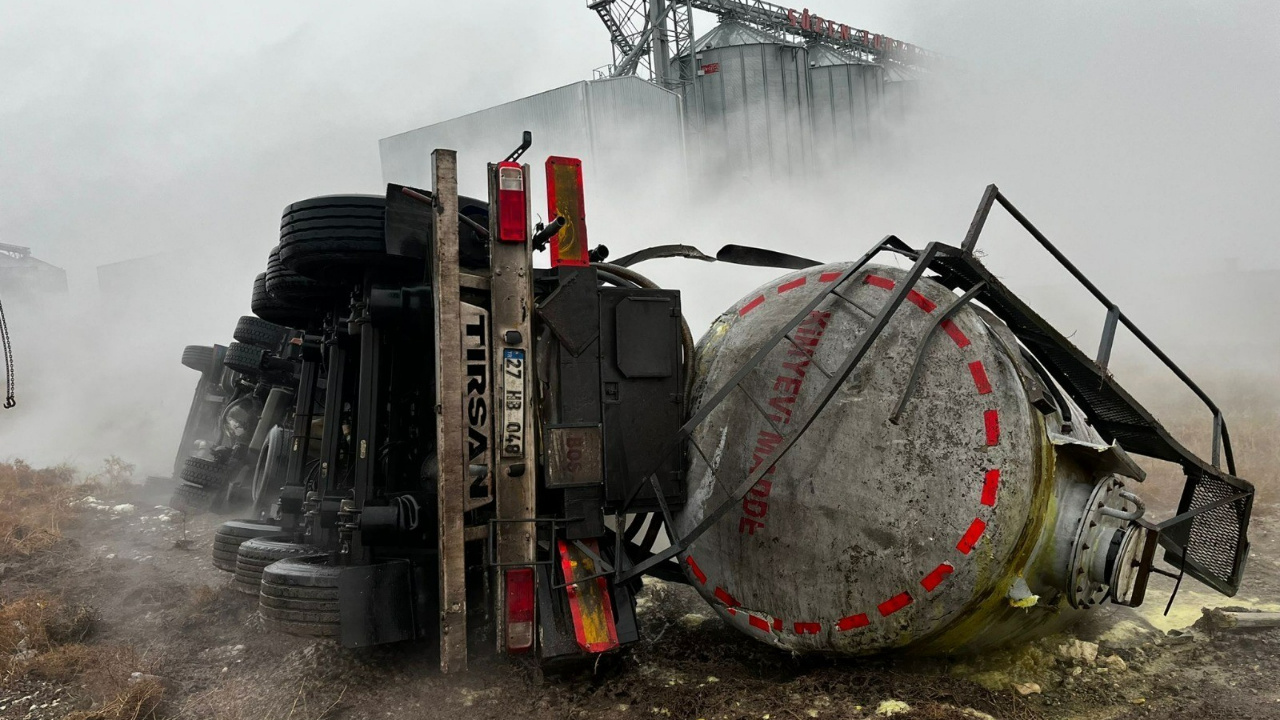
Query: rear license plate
x,y
513,373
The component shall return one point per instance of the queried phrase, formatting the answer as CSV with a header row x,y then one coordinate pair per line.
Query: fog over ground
x,y
1140,136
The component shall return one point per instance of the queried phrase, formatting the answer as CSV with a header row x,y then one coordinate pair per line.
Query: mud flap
x,y
589,602
375,603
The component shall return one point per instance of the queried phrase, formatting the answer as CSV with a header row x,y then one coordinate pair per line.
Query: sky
x,y
1140,135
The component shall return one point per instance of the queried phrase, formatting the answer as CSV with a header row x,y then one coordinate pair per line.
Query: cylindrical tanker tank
x,y
984,512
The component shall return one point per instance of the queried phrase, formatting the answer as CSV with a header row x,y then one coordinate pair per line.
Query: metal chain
x,y
7,346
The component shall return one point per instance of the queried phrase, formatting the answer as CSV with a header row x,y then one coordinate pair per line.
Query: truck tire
x,y
231,534
260,333
205,474
334,237
306,296
270,309
244,359
191,499
299,596
198,358
254,555
297,291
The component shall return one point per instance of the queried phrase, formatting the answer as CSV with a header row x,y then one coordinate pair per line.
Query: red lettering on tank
x,y
807,628
786,386
827,277
797,368
755,508
766,443
758,623
762,488
777,624
782,403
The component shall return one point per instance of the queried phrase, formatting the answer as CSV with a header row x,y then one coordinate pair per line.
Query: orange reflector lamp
x,y
589,601
564,199
513,212
520,609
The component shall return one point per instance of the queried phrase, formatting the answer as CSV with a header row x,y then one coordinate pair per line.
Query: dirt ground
x,y
117,612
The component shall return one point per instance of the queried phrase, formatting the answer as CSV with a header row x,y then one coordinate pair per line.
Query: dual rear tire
x,y
299,596
234,533
252,556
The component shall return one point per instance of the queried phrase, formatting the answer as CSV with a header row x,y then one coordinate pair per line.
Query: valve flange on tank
x,y
1109,546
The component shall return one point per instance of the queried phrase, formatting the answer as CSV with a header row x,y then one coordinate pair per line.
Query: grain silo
x,y
748,111
845,96
901,93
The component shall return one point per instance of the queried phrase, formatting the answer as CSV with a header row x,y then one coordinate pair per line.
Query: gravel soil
x,y
164,615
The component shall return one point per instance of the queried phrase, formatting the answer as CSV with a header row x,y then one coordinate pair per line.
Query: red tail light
x,y
520,609
513,213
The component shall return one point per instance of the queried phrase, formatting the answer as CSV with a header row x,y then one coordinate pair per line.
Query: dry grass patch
x,y
44,638
38,623
34,505
141,700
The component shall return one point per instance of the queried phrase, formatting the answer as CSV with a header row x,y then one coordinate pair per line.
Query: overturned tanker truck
x,y
449,444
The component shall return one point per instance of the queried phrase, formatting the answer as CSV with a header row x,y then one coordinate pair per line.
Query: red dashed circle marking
x,y
990,486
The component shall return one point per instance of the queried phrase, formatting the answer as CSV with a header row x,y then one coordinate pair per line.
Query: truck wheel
x,y
198,357
260,333
244,359
335,237
299,596
272,310
205,474
301,293
231,534
254,555
191,499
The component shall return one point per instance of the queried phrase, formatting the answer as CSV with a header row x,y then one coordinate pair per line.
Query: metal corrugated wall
x,y
612,125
